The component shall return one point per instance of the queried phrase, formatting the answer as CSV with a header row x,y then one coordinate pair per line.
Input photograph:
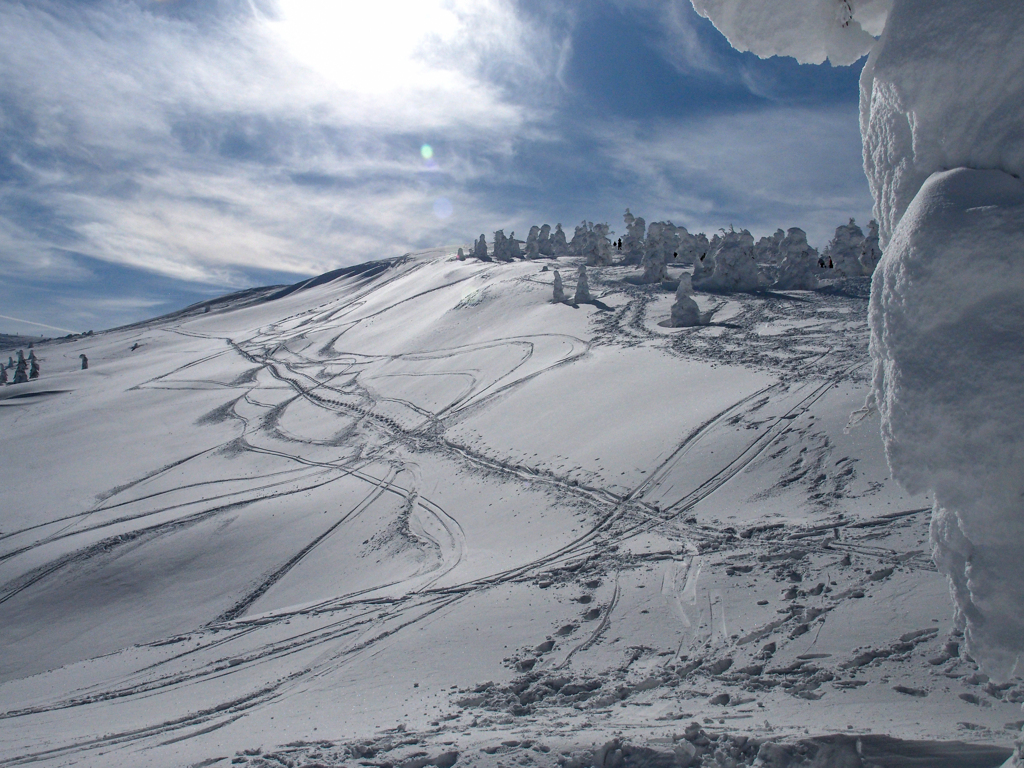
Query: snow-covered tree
x,y
582,287
533,242
942,102
558,245
767,250
559,294
844,250
512,247
480,248
3,375
685,312
545,245
799,269
655,253
870,251
734,268
21,371
460,255
633,240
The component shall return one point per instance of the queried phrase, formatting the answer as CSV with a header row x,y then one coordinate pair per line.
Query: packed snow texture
x,y
734,267
946,317
808,30
799,269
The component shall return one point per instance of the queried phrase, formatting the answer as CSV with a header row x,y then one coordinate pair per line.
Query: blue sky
x,y
157,152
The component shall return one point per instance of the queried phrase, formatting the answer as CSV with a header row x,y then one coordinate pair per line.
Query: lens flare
x,y
427,151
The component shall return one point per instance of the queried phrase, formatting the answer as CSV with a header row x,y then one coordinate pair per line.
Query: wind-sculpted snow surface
x,y
416,513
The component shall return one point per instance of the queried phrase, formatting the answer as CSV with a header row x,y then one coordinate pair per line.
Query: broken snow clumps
x,y
942,102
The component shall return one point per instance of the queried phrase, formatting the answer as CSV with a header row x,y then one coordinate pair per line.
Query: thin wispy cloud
x,y
217,144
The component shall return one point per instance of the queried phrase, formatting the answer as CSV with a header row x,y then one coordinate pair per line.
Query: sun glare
x,y
365,47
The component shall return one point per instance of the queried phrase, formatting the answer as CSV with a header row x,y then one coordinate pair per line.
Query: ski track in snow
x,y
262,656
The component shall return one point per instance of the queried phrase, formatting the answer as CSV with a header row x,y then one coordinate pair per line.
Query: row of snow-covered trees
x,y
731,261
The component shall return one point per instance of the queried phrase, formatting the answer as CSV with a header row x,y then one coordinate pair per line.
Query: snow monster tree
x,y
942,103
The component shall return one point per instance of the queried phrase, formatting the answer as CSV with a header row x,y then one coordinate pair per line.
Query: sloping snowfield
x,y
420,515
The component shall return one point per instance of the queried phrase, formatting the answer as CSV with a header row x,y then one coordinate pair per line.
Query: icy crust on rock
x,y
942,89
810,31
947,342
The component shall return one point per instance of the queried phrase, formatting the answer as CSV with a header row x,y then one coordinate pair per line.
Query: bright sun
x,y
366,47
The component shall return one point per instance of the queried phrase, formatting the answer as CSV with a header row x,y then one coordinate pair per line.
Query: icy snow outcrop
x,y
582,287
559,292
870,251
808,30
799,270
947,325
845,248
734,268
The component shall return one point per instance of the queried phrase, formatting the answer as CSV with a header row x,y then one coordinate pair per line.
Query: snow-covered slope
x,y
419,514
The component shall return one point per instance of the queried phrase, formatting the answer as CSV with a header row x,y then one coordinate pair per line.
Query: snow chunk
x,y
808,30
946,318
